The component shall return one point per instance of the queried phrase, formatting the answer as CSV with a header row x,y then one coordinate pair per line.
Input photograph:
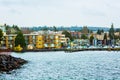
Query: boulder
x,y
8,63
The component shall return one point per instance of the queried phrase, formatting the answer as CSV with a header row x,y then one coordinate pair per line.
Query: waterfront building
x,y
37,41
55,40
30,40
9,40
80,43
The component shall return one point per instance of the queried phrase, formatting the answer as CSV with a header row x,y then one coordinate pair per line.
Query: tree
x,y
102,31
54,28
20,40
111,32
85,30
91,39
67,34
83,36
1,35
16,28
105,36
99,32
90,31
45,28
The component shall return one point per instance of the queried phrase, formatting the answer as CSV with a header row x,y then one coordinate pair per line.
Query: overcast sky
x,y
60,12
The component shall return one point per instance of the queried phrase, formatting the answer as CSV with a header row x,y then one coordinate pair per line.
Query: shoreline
x,y
66,50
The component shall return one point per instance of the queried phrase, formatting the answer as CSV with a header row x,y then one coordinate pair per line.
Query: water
x,y
87,65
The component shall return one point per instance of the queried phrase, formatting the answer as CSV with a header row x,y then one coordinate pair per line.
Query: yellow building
x,y
30,40
37,41
57,41
8,41
49,41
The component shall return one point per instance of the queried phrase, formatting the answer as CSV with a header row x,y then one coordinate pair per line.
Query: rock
x,y
8,63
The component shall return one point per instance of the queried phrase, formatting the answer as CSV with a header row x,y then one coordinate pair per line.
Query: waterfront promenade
x,y
64,49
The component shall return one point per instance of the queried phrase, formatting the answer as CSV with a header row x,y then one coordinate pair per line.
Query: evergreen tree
x,y
111,32
99,32
90,31
83,36
105,36
54,28
45,28
67,34
20,40
91,39
16,28
102,31
1,35
85,30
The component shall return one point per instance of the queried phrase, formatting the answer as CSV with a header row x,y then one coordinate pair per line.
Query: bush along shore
x,y
8,63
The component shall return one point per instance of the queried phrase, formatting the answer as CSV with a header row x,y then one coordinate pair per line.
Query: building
x,y
75,34
9,40
37,40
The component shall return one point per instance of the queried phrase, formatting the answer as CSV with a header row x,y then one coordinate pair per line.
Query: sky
x,y
101,13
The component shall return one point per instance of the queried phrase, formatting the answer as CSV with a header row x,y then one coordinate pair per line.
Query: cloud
x,y
60,12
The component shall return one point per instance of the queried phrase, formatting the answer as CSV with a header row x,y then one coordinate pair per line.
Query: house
x,y
75,34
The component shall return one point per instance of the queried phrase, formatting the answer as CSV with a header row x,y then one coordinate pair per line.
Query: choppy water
x,y
87,65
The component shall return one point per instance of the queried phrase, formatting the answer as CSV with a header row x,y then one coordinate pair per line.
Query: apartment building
x,y
37,41
9,40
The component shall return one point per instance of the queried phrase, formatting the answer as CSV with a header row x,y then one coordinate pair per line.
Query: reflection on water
x,y
87,65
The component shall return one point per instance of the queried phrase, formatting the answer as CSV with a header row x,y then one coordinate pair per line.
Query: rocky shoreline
x,y
9,63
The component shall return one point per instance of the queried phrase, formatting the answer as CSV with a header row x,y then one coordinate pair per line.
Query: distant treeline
x,y
72,28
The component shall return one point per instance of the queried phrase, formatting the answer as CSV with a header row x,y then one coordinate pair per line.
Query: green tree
x,y
83,36
105,36
102,31
67,34
16,28
99,32
45,28
54,28
85,30
111,32
6,26
90,31
20,40
91,39
1,35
